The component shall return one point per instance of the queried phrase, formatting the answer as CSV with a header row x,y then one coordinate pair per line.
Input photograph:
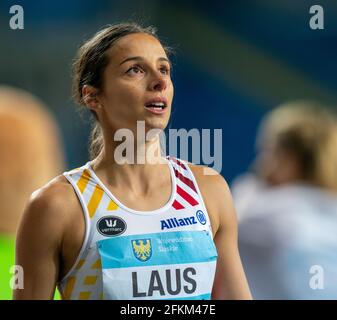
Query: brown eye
x,y
165,70
134,70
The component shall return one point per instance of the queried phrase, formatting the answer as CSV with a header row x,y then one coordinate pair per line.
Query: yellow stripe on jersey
x,y
112,206
84,295
84,180
97,264
69,287
90,280
95,200
80,264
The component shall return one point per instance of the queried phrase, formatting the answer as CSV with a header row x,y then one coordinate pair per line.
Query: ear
x,y
90,97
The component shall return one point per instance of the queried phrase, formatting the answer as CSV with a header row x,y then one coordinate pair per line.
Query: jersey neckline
x,y
124,207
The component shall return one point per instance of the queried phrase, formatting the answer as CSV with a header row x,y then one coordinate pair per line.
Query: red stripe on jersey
x,y
184,179
177,205
186,196
178,162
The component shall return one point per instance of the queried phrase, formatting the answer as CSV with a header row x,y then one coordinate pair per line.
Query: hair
x,y
308,131
90,63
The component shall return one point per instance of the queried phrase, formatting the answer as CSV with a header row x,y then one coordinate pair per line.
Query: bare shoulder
x,y
50,206
45,245
215,192
55,195
208,177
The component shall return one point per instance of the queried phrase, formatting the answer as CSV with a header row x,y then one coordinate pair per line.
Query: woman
x,y
288,209
147,228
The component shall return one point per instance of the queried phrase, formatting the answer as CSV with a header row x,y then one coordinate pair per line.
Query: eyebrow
x,y
142,59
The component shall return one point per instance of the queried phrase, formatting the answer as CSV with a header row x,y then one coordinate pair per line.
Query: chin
x,y
160,124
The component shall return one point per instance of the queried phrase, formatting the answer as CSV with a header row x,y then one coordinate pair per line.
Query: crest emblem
x,y
142,249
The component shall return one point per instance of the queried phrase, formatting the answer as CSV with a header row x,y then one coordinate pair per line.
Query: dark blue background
x,y
235,61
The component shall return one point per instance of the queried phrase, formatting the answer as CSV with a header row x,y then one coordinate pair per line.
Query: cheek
x,y
123,97
170,92
171,88
267,164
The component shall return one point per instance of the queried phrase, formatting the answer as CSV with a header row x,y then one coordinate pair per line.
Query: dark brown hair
x,y
90,63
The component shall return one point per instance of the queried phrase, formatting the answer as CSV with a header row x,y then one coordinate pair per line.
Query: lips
x,y
156,105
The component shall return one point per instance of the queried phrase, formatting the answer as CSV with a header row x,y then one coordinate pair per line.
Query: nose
x,y
158,83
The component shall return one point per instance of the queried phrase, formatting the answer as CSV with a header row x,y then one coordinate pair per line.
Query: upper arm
x,y
38,245
230,281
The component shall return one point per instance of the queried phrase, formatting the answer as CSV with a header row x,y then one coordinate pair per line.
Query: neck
x,y
132,165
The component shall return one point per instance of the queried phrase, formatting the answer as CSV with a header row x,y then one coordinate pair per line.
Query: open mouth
x,y
156,106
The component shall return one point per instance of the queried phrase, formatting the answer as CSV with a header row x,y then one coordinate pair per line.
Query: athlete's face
x,y
277,166
136,84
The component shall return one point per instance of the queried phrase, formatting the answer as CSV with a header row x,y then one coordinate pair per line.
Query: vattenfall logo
x,y
111,226
176,223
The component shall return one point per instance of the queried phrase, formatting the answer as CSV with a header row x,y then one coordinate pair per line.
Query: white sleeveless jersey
x,y
166,253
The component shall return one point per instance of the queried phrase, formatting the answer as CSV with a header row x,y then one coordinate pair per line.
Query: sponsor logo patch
x,y
111,226
176,223
201,217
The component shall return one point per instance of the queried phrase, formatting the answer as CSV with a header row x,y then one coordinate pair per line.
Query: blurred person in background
x,y
287,205
30,155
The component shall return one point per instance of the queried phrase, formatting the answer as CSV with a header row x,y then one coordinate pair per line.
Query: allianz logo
x,y
175,223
